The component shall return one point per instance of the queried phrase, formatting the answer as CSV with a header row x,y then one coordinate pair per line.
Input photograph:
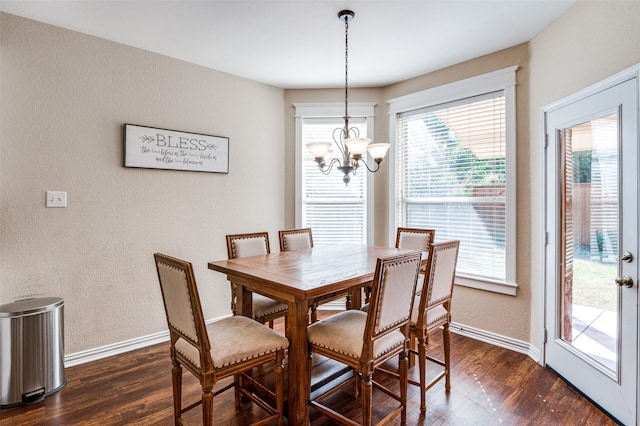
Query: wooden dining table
x,y
298,278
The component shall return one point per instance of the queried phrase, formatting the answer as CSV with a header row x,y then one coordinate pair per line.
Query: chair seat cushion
x,y
434,314
343,333
235,339
263,305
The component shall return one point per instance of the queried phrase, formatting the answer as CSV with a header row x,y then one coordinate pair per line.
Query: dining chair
x,y
301,239
415,239
432,310
295,239
365,340
218,350
411,239
265,310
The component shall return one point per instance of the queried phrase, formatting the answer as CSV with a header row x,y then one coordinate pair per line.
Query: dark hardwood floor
x,y
490,386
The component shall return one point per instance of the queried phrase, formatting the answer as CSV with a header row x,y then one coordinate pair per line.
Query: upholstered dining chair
x,y
365,340
411,239
301,239
432,310
265,310
415,239
295,239
228,347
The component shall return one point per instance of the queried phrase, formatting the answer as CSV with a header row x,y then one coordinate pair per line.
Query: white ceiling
x,y
300,44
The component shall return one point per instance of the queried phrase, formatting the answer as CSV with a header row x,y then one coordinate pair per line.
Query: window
x,y
336,212
454,156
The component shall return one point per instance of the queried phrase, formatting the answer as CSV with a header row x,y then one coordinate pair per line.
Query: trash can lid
x,y
29,306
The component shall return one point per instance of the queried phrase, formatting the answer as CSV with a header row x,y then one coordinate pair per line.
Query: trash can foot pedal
x,y
33,396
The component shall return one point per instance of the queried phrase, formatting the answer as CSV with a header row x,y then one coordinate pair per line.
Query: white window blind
x,y
452,178
337,213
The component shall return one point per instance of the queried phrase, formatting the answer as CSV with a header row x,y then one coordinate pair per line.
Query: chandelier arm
x,y
369,168
339,141
327,169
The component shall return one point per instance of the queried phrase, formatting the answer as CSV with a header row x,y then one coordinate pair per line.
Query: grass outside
x,y
594,284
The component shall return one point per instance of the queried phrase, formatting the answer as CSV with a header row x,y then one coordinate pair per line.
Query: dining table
x,y
298,278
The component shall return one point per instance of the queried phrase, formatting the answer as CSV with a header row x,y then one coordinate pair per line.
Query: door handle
x,y
627,257
624,280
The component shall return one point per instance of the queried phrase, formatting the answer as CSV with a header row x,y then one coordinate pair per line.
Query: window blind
x,y
336,212
452,178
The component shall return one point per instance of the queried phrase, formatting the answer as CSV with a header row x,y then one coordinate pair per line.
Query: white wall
x,y
590,42
65,99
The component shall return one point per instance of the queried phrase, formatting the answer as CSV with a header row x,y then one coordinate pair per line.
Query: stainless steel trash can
x,y
31,350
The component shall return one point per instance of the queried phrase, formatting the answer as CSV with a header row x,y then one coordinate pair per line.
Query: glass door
x,y
592,228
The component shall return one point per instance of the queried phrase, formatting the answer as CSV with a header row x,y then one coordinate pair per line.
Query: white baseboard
x,y
163,336
114,349
497,340
120,347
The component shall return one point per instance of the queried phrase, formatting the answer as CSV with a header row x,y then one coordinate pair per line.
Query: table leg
x,y
244,301
299,380
355,298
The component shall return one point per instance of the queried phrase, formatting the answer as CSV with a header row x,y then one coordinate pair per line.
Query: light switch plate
x,y
56,199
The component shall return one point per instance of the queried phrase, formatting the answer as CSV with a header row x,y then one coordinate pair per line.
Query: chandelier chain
x,y
346,67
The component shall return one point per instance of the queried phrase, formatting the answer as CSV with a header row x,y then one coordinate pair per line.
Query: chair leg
x,y
412,347
279,384
366,394
176,378
207,406
422,362
404,383
286,325
314,312
356,383
237,379
446,337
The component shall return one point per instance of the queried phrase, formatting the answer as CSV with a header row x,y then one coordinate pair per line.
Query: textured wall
x,y
65,98
588,43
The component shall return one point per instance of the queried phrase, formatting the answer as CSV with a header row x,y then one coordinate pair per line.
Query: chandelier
x,y
352,147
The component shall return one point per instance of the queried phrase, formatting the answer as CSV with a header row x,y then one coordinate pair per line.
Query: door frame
x,y
618,78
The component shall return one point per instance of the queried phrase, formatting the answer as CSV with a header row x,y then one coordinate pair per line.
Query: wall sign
x,y
153,148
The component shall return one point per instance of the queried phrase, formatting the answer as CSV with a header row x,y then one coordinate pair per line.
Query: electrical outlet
x,y
56,199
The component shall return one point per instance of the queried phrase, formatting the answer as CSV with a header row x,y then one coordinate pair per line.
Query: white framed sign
x,y
153,148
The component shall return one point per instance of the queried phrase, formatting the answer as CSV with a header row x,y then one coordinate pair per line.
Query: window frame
x,y
333,110
500,80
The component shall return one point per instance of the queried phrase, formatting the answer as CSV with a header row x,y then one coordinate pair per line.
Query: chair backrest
x,y
439,276
414,238
182,307
295,239
394,287
243,245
